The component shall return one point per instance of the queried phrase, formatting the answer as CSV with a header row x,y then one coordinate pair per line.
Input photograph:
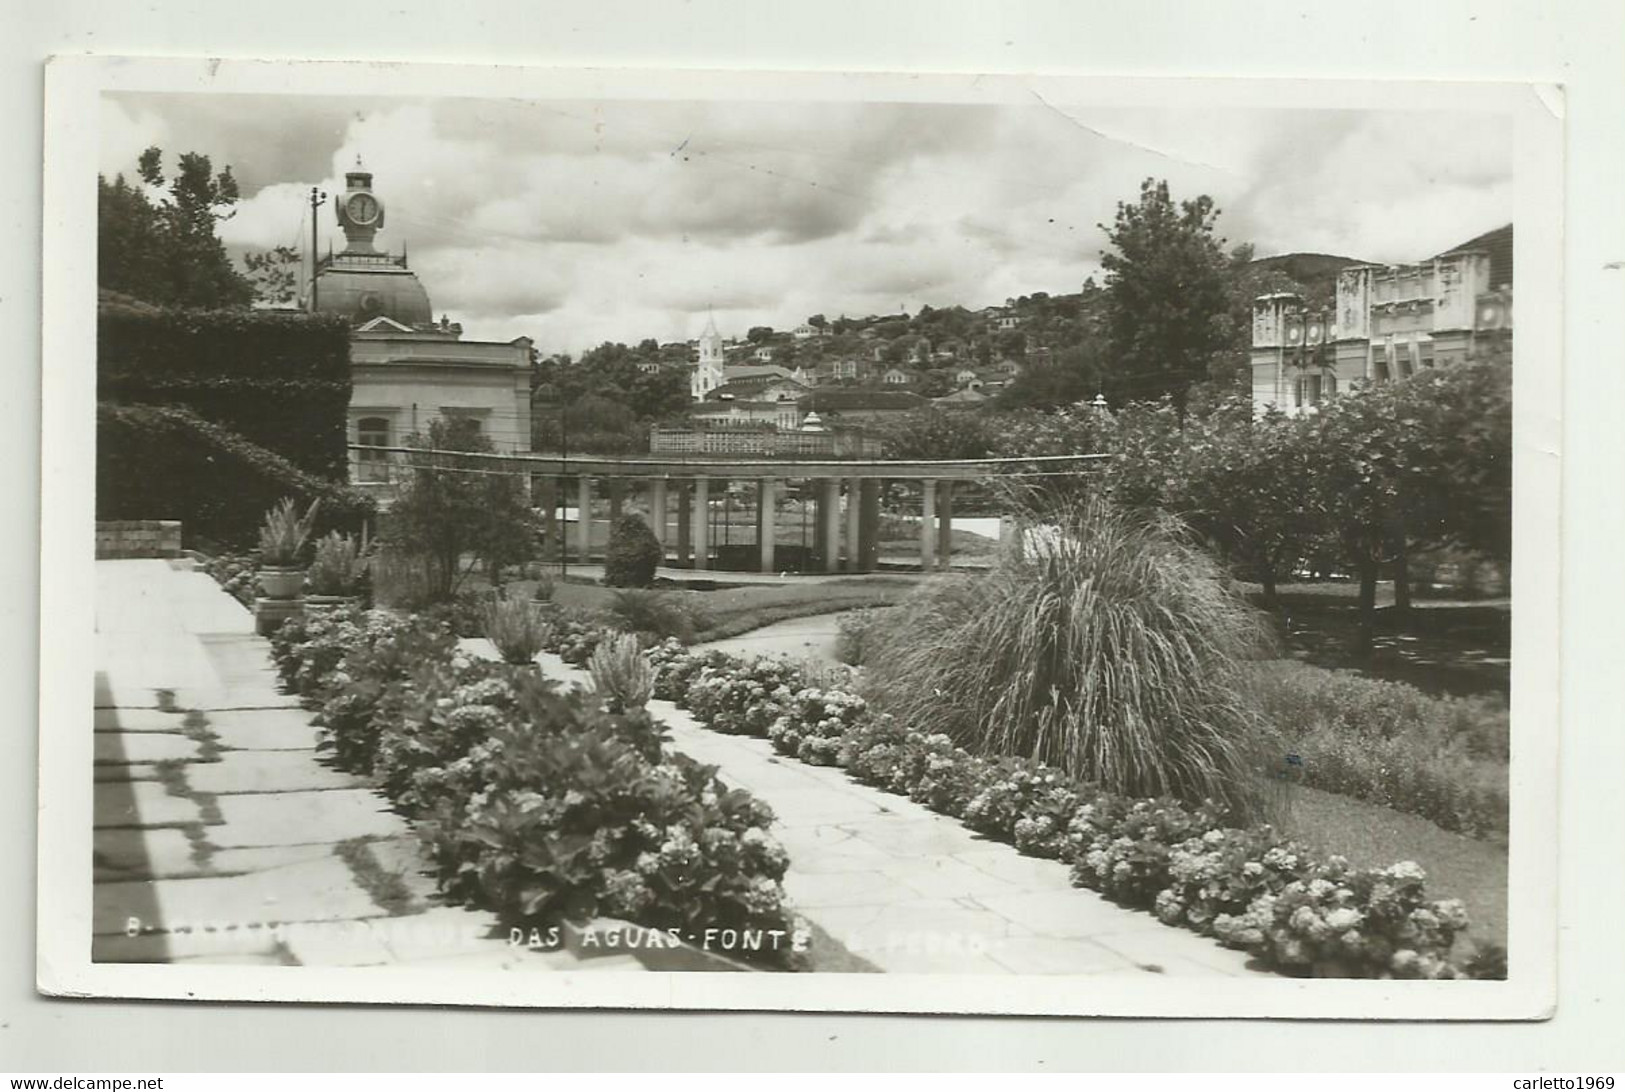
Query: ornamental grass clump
x,y
1113,650
339,564
284,532
516,628
621,673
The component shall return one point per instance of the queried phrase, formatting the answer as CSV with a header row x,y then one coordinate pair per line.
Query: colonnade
x,y
845,521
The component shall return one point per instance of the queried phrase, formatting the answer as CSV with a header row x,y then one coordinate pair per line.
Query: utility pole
x,y
318,198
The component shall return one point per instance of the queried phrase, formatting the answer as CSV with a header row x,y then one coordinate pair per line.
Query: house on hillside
x,y
1386,323
855,405
896,377
407,368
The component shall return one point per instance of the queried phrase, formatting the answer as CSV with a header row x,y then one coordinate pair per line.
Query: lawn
x,y
1470,869
730,611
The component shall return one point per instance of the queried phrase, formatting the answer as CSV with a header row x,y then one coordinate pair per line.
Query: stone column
x,y
702,523
945,525
657,513
766,522
548,502
685,523
928,519
854,510
583,517
1010,532
831,529
869,525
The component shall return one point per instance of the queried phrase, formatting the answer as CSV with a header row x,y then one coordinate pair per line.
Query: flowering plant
x,y
746,700
811,724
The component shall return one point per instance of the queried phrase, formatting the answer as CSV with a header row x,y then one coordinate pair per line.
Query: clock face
x,y
362,208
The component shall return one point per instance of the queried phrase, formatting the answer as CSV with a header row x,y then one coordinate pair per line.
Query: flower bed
x,y
1247,888
234,573
534,802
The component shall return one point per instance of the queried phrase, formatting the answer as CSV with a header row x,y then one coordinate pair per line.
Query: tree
x,y
1168,294
455,511
818,322
1247,485
1073,375
938,434
168,253
756,335
274,274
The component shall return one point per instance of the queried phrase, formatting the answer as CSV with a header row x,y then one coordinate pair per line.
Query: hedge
x,y
279,379
166,462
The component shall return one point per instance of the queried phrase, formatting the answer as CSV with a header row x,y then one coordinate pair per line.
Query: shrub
x,y
633,554
656,614
516,628
543,591
1443,759
621,674
572,822
1112,650
169,461
745,700
279,380
534,803
813,723
1244,886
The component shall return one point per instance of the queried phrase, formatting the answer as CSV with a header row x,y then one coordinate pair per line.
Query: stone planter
x,y
269,614
278,582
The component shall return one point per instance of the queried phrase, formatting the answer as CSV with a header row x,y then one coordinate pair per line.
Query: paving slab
x,y
437,933
131,854
139,720
263,858
224,946
1065,913
315,891
126,771
265,772
142,804
136,748
1055,955
303,818
1176,953
262,729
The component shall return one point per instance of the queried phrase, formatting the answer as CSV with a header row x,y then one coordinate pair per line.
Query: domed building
x,y
406,368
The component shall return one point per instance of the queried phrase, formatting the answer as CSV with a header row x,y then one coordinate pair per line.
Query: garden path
x,y
913,891
219,836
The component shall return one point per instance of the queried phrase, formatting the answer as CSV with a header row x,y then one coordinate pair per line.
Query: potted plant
x,y
282,540
334,576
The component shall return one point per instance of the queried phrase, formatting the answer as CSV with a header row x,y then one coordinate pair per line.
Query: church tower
x,y
707,374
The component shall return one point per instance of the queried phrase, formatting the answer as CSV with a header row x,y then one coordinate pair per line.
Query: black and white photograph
x,y
561,538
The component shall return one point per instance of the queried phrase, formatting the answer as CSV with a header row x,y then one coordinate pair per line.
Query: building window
x,y
1380,372
372,466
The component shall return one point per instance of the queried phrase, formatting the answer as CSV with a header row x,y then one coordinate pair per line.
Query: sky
x,y
575,223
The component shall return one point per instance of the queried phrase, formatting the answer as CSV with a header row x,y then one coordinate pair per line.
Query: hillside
x,y
1317,273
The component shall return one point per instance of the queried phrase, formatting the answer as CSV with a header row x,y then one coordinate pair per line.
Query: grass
x,y
1444,759
1469,869
730,611
1115,651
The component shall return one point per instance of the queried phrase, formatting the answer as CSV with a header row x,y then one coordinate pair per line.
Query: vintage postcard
x,y
699,540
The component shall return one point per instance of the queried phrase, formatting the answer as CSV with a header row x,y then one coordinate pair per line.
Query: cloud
x,y
579,222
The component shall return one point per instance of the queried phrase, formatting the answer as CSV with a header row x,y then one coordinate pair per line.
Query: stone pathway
x,y
220,837
913,891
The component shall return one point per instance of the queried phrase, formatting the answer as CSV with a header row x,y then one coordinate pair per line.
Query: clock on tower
x,y
360,213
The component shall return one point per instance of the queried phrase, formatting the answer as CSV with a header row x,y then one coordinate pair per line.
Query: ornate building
x,y
1385,323
408,369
